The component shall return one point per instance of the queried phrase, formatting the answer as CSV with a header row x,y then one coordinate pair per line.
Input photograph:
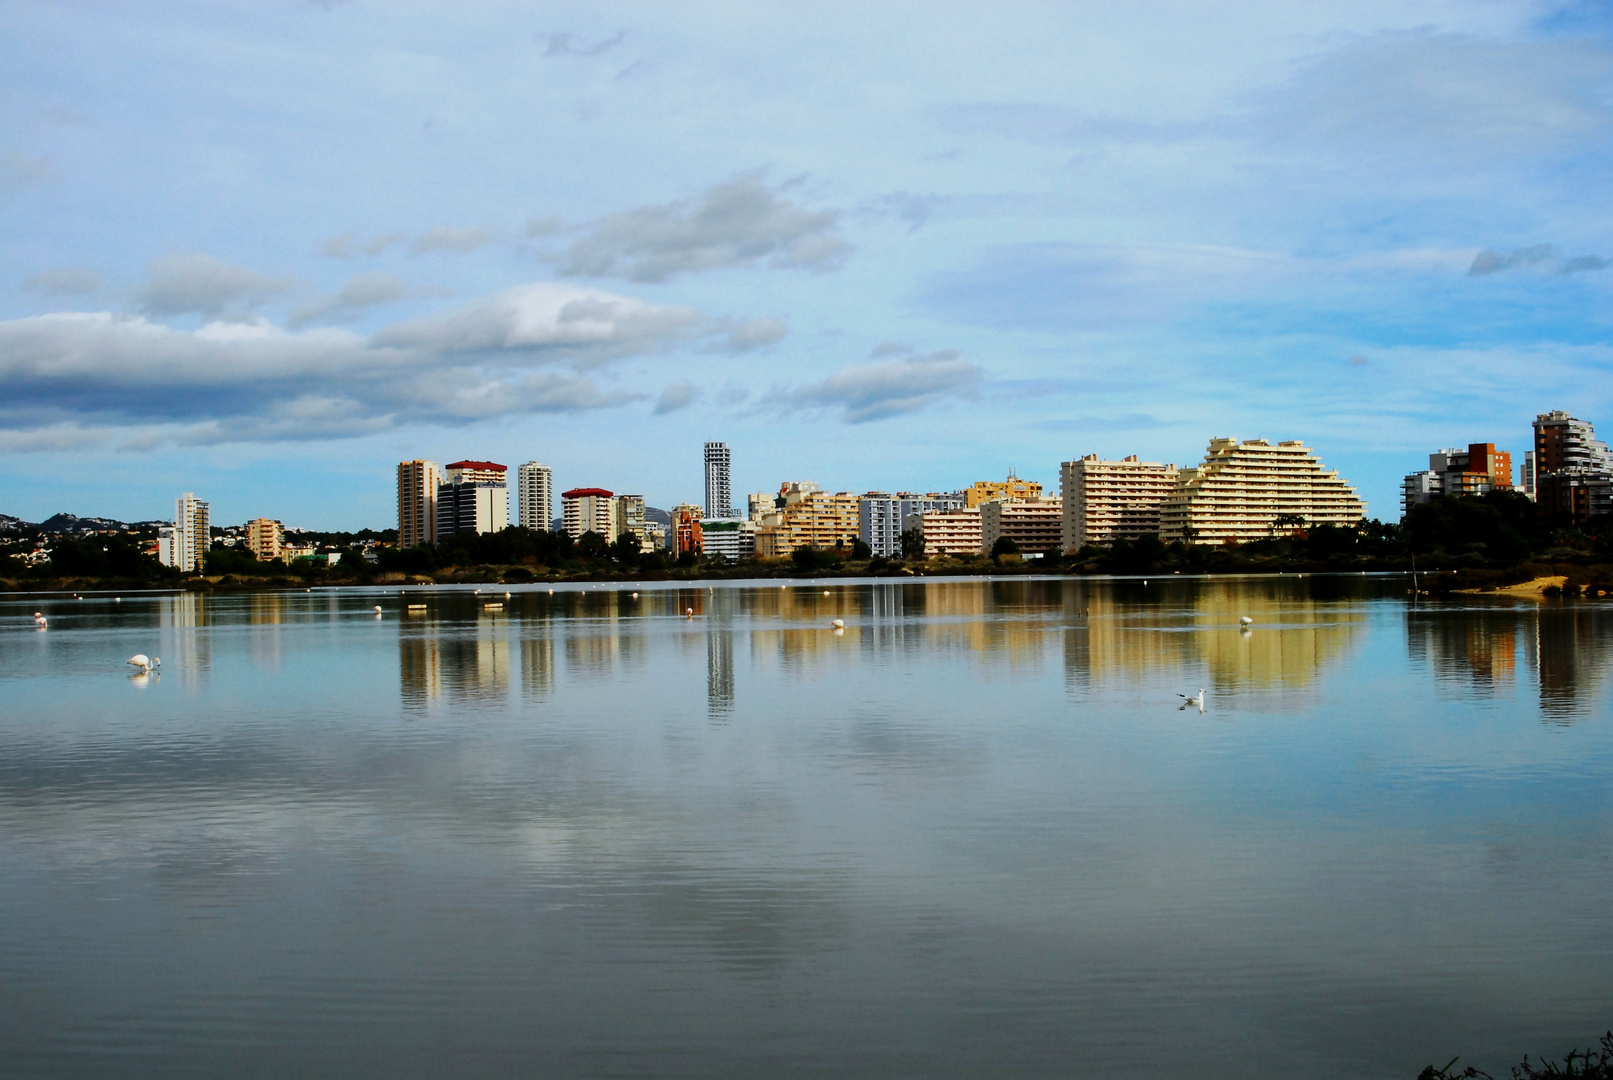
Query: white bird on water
x,y
838,624
40,620
144,663
1196,701
1245,621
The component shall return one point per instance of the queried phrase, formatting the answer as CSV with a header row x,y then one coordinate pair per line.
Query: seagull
x,y
1197,701
1246,621
838,624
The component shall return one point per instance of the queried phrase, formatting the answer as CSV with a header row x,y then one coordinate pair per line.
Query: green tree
x,y
1005,545
860,550
590,545
912,543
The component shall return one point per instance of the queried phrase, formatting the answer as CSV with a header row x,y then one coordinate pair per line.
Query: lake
x,y
698,832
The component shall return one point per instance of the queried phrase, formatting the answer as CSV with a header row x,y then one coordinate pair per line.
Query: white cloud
x,y
741,222
360,293
888,387
459,238
205,285
246,380
19,171
676,396
66,281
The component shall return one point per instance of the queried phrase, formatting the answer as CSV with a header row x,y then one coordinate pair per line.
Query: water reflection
x,y
719,674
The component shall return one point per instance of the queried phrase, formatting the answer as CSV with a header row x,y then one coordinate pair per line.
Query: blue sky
x,y
263,251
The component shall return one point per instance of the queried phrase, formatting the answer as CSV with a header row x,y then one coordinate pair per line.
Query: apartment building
x,y
584,510
983,491
475,472
880,516
534,496
1573,469
719,468
1036,525
1103,501
808,518
264,538
417,502
627,516
730,538
192,535
686,533
1455,471
1242,489
472,508
948,532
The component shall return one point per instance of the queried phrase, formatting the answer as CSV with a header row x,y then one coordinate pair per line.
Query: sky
x,y
264,251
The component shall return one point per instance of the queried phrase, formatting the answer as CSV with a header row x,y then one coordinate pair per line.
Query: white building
x,y
472,508
167,549
1106,500
948,532
585,510
534,496
732,538
719,502
191,537
417,502
880,516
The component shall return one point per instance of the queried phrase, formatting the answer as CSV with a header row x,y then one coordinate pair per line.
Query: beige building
x,y
1034,524
983,491
627,516
417,503
264,538
808,518
1243,488
949,532
1105,500
584,510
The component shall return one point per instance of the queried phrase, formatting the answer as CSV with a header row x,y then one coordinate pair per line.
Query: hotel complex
x,y
1253,490
1106,500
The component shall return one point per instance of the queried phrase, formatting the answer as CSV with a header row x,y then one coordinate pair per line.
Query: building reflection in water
x,y
537,665
264,615
1468,652
720,674
1129,628
419,667
182,622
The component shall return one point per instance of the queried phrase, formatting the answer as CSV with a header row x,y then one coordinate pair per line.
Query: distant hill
x,y
11,524
72,523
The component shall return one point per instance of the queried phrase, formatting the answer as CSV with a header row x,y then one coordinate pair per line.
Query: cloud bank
x,y
891,385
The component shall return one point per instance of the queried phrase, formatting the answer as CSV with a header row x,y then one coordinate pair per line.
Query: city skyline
x,y
1295,221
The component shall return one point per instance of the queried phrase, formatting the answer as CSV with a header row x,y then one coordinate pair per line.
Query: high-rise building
x,y
1011,488
758,503
167,546
719,503
472,508
948,532
808,518
1106,500
473,498
264,538
584,510
476,472
880,516
417,502
1036,525
192,536
1526,474
686,533
728,538
1454,471
1573,469
1250,490
627,516
534,499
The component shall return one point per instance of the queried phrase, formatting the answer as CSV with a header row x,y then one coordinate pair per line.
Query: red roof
x,y
582,493
477,465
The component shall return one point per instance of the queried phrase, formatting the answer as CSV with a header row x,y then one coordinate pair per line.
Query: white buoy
x,y
838,624
635,596
117,599
506,594
1246,620
826,592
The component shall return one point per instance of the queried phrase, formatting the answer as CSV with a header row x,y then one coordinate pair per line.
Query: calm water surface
x,y
973,835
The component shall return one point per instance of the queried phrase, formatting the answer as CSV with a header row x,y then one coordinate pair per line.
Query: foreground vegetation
x,y
1588,1064
1481,542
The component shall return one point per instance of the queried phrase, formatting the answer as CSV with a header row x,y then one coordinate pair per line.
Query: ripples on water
x,y
586,835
